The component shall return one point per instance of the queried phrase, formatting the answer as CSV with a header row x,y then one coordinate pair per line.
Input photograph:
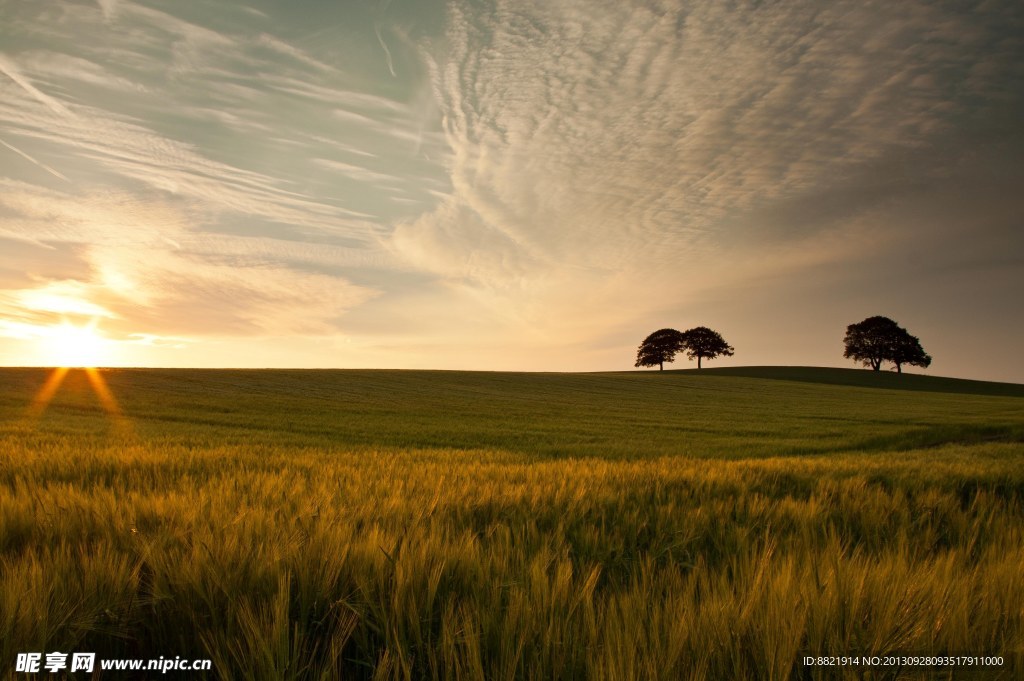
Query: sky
x,y
509,184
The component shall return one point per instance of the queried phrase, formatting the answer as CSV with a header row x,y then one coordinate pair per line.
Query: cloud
x,y
356,172
109,8
128,148
281,47
8,68
387,52
646,139
150,273
244,87
198,159
454,242
42,165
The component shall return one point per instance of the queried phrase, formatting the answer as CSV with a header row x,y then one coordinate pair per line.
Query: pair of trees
x,y
662,346
880,339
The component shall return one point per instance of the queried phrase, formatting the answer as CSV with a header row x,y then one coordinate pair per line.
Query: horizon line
x,y
509,371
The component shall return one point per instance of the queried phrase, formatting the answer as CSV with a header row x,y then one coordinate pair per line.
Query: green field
x,y
718,524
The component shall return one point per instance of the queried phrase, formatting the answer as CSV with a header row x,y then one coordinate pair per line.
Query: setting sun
x,y
73,346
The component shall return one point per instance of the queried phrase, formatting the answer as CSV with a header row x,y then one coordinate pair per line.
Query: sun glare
x,y
73,346
67,347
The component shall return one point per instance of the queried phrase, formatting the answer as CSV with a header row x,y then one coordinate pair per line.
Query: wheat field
x,y
456,525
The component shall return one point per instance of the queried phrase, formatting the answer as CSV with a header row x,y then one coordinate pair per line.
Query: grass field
x,y
459,525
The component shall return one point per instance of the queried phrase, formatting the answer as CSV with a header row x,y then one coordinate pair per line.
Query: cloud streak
x,y
8,68
28,158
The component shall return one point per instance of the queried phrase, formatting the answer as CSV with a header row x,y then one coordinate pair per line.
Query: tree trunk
x,y
661,366
698,361
899,368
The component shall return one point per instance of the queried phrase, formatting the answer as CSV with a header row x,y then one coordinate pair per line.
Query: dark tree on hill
x,y
880,339
658,348
701,342
907,349
869,341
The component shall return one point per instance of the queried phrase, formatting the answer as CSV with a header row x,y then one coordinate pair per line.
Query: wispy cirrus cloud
x,y
197,161
652,125
246,81
125,147
109,8
9,69
28,158
145,266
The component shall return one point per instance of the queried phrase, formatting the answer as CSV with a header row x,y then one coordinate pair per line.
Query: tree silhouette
x,y
658,348
701,342
868,341
880,339
907,350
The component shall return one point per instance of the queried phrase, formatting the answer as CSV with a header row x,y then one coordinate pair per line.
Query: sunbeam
x,y
97,384
46,393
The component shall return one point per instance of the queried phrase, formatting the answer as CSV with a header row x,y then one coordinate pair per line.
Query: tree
x,y
702,342
907,350
658,348
869,341
880,339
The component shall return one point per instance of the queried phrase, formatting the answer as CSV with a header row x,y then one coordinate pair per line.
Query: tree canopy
x,y
658,348
880,339
907,350
701,342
